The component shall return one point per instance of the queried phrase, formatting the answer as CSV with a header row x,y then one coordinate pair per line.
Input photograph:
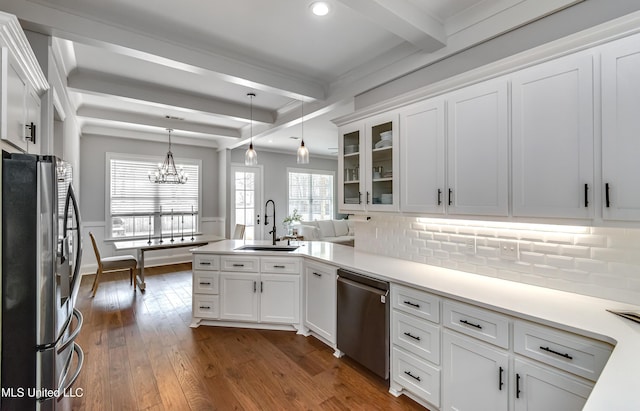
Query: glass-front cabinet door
x,y
382,158
350,161
368,165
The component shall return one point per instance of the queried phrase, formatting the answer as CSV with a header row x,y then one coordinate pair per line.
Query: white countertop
x,y
619,384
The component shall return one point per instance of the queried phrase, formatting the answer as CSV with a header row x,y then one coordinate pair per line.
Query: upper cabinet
x,y
422,157
368,165
477,148
621,129
22,84
552,139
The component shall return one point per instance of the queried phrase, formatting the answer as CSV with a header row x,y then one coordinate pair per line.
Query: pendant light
x,y
167,173
250,156
303,152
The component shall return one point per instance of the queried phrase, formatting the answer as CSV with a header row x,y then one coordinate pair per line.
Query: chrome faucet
x,y
273,216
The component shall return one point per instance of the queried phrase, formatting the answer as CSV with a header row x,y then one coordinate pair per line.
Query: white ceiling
x,y
130,64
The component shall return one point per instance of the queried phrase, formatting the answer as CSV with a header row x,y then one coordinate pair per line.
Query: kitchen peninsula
x,y
525,310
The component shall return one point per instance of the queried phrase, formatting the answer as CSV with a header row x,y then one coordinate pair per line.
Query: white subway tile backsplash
x,y
597,261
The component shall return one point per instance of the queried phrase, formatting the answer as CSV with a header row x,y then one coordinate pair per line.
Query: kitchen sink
x,y
267,248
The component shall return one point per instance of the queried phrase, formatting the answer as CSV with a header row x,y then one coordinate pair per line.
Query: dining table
x,y
143,245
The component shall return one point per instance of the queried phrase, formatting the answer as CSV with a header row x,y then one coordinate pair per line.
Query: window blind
x,y
132,194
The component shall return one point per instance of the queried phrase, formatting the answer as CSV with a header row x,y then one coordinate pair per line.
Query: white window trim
x,y
313,171
141,157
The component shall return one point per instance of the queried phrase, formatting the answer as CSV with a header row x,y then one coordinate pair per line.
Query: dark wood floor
x,y
141,354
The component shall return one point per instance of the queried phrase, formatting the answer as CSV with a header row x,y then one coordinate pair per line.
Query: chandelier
x,y
167,173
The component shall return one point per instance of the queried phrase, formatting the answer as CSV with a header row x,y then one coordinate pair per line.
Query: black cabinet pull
x,y
412,304
32,132
205,263
517,385
564,355
412,336
606,195
359,197
317,274
439,197
204,307
261,286
238,265
450,191
500,382
586,195
254,286
412,376
278,266
478,326
205,283
367,197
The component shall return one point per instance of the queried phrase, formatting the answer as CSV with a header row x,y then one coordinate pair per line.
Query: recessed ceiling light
x,y
319,8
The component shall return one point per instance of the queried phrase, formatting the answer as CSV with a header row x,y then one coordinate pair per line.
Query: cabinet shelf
x,y
380,180
351,155
352,182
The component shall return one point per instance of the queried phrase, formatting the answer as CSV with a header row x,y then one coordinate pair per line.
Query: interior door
x,y
247,200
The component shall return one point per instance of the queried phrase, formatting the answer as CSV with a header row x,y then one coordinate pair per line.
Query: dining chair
x,y
238,234
110,264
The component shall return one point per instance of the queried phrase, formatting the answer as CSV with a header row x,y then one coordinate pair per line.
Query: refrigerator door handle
x,y
65,387
75,333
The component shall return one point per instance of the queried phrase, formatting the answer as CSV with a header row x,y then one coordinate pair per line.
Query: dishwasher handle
x,y
381,293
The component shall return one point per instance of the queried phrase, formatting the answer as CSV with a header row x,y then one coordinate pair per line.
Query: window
x,y
136,207
311,193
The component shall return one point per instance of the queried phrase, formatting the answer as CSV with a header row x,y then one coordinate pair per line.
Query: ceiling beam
x,y
155,121
59,23
102,131
103,85
405,20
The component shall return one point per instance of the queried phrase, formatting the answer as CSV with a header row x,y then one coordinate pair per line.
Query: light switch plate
x,y
509,250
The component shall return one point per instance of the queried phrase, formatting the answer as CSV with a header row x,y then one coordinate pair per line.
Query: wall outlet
x,y
470,245
509,250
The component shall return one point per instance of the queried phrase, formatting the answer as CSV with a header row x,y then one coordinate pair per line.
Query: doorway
x,y
247,199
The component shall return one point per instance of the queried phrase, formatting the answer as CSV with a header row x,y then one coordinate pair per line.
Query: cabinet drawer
x,y
418,336
416,376
240,263
205,282
570,352
206,262
206,306
416,302
477,322
277,265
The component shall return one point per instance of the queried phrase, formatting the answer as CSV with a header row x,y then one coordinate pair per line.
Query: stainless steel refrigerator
x,y
41,252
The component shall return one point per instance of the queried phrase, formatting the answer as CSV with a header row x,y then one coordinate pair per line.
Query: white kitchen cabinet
x,y
475,375
247,289
621,129
279,298
477,147
541,389
422,157
415,339
320,300
368,165
239,295
351,181
552,139
22,85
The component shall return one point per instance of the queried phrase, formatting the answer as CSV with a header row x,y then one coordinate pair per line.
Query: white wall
x,y
93,151
275,176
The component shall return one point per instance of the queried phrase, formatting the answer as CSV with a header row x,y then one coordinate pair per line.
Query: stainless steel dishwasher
x,y
363,320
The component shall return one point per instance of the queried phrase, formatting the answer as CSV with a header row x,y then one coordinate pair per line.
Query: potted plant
x,y
290,220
